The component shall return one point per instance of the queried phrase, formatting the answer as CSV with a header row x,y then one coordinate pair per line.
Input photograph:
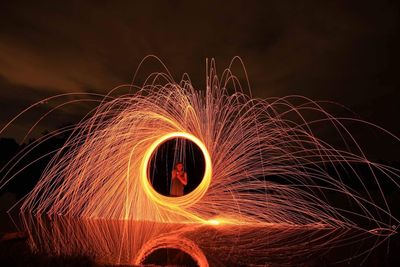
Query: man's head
x,y
179,166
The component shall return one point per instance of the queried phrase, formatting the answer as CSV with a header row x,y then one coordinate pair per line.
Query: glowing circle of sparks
x,y
187,199
277,179
172,242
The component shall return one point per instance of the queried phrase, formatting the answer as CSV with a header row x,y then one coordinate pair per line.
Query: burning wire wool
x,y
266,163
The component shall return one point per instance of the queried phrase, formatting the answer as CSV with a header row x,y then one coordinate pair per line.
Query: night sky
x,y
343,51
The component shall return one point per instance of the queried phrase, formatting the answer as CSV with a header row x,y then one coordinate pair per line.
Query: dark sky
x,y
344,51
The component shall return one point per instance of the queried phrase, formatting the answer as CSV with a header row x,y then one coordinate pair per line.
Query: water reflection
x,y
175,242
137,242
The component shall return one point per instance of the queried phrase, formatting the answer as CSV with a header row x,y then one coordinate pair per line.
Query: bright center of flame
x,y
214,222
185,200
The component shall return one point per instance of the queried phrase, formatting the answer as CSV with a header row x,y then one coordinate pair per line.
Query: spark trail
x,y
266,162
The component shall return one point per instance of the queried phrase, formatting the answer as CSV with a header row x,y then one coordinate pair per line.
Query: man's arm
x,y
184,180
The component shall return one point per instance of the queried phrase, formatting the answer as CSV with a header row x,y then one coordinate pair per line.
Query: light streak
x,y
266,164
126,242
188,199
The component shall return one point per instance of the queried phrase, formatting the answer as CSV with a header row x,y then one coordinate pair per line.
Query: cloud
x,y
337,50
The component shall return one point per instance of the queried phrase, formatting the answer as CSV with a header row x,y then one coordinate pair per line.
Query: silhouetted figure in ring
x,y
179,180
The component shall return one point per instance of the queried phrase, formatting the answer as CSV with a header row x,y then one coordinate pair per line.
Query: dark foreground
x,y
15,251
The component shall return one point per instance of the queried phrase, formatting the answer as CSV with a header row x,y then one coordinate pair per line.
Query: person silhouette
x,y
179,180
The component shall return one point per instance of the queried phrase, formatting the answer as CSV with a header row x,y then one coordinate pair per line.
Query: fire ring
x,y
185,200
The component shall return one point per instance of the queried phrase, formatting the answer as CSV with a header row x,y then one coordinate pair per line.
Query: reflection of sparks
x,y
172,241
131,242
265,162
